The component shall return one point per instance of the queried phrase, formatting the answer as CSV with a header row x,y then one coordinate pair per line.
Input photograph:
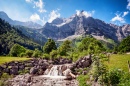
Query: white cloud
x,y
40,4
35,17
28,0
128,6
87,14
125,13
118,18
43,21
53,15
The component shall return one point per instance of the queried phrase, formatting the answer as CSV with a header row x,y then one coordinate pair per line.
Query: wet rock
x,y
27,80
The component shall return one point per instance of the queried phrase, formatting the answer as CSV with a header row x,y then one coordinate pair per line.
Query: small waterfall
x,y
56,71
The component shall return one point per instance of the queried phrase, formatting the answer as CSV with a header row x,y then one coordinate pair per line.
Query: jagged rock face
x,y
82,25
126,30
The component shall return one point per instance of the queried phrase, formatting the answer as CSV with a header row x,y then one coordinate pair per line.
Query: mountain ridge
x,y
10,35
84,25
75,26
29,24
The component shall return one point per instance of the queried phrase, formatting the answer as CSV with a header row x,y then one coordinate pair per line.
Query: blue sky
x,y
42,11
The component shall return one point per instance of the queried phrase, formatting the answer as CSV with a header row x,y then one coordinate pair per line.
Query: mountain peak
x,y
57,21
4,16
29,24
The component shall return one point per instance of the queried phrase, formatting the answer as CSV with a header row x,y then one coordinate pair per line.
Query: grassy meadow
x,y
4,59
118,61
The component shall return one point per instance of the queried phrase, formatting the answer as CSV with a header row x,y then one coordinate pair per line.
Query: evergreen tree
x,y
49,46
125,45
64,48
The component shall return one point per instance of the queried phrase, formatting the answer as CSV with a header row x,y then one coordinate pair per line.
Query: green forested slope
x,y
10,35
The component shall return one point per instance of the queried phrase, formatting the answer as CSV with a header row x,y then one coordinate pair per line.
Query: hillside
x,y
10,35
33,34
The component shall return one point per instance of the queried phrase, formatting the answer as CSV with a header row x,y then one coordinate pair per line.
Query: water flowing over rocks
x,y
42,72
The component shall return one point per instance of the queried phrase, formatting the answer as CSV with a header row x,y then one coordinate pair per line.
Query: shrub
x,y
83,80
46,56
53,54
113,77
29,53
16,50
37,53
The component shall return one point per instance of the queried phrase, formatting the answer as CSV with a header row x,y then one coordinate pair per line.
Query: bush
x,y
83,80
46,56
53,54
37,53
125,80
22,54
29,53
113,77
16,50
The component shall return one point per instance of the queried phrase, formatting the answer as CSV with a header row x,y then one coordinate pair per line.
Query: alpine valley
x,y
77,25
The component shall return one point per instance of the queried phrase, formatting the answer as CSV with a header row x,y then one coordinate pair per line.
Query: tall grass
x,y
118,61
9,59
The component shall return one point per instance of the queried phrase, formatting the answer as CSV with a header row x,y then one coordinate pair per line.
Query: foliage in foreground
x,y
82,79
3,79
116,77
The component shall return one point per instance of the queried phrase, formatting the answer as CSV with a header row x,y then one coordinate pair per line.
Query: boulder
x,y
21,67
44,66
1,68
33,70
14,71
85,64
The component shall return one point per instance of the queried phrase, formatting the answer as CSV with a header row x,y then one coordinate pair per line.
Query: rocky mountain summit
x,y
80,24
72,27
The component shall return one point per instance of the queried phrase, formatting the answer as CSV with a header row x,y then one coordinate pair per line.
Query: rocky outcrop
x,y
84,62
33,66
61,60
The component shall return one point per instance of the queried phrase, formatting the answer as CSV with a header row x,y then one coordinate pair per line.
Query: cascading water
x,y
55,76
55,72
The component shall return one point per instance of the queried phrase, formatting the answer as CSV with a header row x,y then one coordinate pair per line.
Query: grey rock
x,y
33,70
